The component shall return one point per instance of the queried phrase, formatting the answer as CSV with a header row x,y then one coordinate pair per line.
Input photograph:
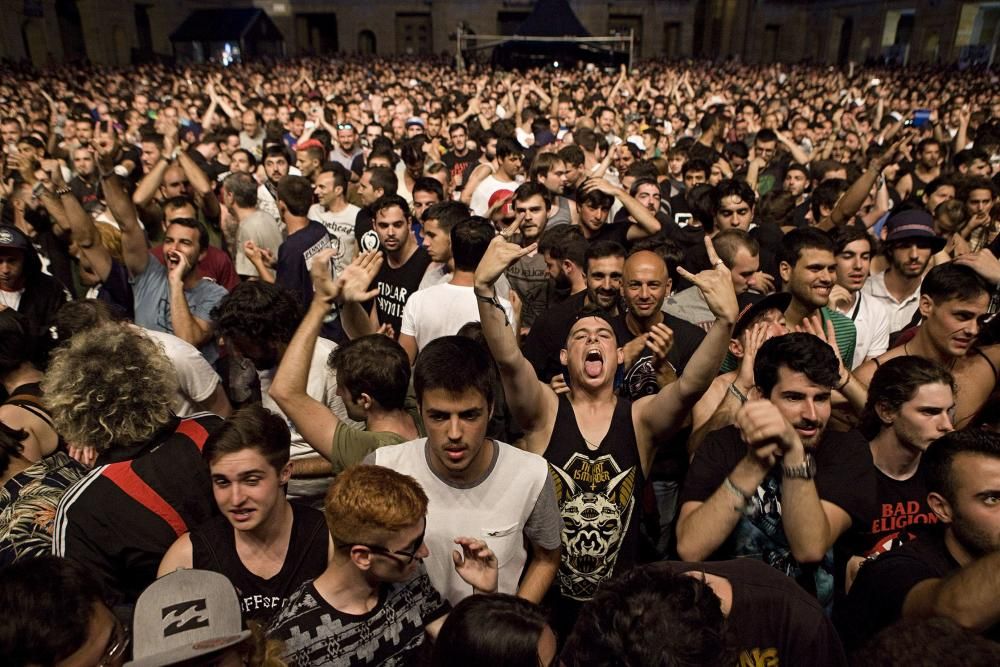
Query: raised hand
x,y
814,325
476,564
716,285
501,254
755,337
659,340
356,279
325,288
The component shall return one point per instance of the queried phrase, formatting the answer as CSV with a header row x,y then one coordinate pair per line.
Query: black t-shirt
x,y
900,513
214,548
877,596
460,166
612,231
772,621
845,477
548,335
295,257
395,286
640,377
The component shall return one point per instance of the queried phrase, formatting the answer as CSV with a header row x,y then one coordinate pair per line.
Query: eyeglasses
x,y
404,557
115,649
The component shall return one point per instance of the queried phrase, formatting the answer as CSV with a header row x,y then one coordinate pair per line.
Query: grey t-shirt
x,y
151,290
264,231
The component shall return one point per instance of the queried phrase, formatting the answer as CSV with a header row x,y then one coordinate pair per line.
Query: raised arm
x,y
646,223
201,184
530,401
661,414
855,196
135,251
315,421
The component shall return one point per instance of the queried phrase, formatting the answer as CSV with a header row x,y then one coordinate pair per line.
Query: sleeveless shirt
x,y
599,494
214,548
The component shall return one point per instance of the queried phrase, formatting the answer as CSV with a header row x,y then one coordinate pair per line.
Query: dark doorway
x,y
698,38
144,34
844,50
904,29
71,31
317,33
366,43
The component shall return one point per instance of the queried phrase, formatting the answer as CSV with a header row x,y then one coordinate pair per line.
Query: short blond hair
x,y
109,387
368,504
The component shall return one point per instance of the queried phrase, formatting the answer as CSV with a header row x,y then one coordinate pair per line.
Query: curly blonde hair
x,y
109,387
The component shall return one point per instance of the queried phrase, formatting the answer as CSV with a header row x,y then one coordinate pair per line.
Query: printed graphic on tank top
x,y
598,494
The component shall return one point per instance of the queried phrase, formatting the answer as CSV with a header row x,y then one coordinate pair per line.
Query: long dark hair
x,y
894,383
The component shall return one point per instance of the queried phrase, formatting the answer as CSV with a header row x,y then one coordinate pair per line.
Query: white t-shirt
x,y
196,378
340,225
480,202
261,228
515,499
872,328
321,386
438,274
441,311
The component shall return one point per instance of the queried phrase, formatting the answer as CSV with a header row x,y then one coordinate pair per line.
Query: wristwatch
x,y
804,470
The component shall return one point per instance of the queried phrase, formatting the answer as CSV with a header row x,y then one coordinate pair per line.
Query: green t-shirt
x,y
351,445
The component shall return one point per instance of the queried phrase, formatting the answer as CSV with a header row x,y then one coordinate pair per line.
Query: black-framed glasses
x,y
404,557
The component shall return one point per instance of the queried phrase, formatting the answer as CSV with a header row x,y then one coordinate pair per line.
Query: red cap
x,y
499,196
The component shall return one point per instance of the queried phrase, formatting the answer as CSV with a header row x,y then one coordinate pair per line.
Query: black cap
x,y
753,304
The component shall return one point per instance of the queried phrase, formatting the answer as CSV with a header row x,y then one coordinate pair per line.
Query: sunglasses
x,y
404,557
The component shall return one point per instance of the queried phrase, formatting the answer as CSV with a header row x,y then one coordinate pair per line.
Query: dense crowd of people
x,y
384,362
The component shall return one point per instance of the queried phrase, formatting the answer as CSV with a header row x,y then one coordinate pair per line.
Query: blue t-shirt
x,y
151,290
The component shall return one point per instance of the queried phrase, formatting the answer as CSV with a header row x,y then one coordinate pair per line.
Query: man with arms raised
x,y
599,447
373,373
263,544
174,299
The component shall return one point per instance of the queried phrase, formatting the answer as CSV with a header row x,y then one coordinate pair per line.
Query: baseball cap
x,y
499,196
12,237
913,224
753,304
415,120
183,615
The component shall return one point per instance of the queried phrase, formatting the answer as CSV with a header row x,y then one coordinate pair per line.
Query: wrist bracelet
x,y
64,190
737,393
495,302
728,485
846,382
